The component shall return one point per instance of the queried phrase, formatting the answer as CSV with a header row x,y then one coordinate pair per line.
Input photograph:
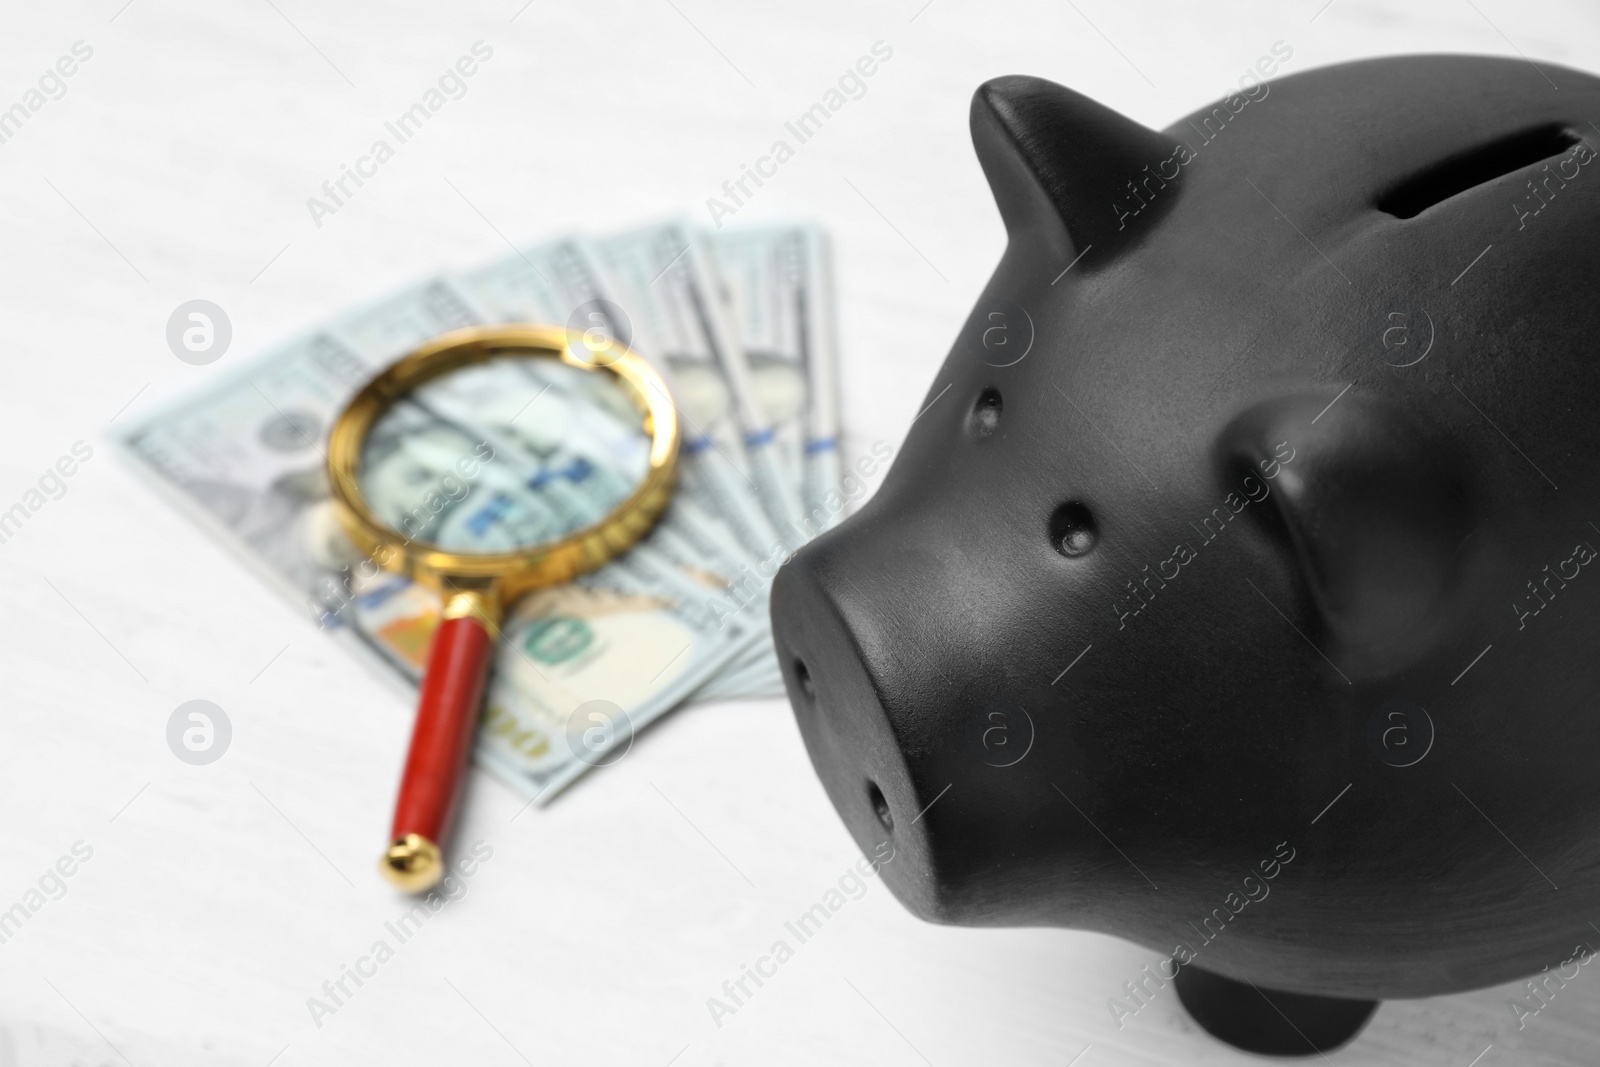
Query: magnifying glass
x,y
489,462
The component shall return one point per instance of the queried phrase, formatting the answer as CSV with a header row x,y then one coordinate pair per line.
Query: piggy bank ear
x,y
1373,508
1064,168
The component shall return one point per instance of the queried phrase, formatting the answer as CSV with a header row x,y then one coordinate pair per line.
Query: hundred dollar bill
x,y
533,412
558,283
247,454
637,632
559,448
580,668
664,281
779,288
779,280
745,679
554,282
387,329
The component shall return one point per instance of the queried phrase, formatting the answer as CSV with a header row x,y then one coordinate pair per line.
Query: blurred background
x,y
176,164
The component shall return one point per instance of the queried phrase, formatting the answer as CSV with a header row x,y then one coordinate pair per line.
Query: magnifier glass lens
x,y
504,455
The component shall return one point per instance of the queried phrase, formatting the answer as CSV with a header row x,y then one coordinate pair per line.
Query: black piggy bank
x,y
1234,590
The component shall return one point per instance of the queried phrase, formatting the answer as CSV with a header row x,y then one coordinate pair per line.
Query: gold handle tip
x,y
474,604
413,864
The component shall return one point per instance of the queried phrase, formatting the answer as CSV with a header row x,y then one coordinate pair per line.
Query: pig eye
x,y
1072,529
985,417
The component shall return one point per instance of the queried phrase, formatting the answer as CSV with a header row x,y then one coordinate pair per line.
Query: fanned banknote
x,y
779,281
558,282
778,288
663,280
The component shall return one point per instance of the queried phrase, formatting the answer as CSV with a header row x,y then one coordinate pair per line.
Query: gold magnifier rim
x,y
507,574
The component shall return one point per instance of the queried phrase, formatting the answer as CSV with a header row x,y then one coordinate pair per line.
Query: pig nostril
x,y
1072,529
985,418
802,678
880,806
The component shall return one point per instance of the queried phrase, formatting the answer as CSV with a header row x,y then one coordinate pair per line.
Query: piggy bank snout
x,y
841,675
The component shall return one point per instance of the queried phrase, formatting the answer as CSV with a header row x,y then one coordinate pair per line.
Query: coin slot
x,y
1470,169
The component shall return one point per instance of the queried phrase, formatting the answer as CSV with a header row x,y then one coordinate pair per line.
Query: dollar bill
x,y
579,669
755,678
558,282
779,286
659,633
779,280
555,449
387,329
562,279
248,454
664,281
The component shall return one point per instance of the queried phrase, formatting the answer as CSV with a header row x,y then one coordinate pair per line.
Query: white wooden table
x,y
218,899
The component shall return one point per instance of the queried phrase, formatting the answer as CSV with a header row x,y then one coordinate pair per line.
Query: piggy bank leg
x,y
1267,1021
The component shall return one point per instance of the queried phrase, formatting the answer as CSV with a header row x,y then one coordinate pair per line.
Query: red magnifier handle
x,y
441,740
